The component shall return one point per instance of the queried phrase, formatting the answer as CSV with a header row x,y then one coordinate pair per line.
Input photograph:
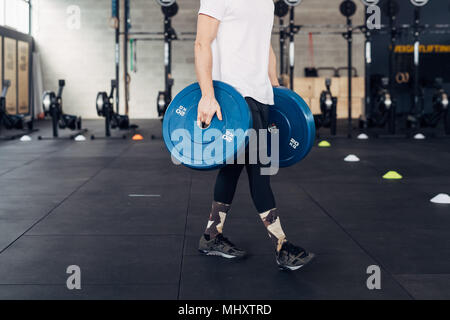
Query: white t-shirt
x,y
241,49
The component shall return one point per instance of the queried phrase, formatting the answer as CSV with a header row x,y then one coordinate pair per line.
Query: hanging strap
x,y
311,50
131,55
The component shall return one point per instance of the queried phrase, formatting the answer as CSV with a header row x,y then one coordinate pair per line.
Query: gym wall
x,y
84,57
434,63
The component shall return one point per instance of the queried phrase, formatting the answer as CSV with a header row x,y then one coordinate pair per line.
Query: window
x,y
15,14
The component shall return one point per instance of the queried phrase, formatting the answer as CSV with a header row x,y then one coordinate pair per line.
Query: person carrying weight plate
x,y
233,45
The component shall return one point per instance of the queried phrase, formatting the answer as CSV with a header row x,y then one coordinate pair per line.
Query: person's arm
x,y
206,33
273,68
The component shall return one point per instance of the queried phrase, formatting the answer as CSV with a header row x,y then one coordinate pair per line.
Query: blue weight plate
x,y
209,148
295,123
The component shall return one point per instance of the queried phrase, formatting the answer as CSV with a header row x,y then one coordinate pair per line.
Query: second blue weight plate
x,y
295,123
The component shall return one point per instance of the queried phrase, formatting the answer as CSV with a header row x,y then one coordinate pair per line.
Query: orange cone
x,y
138,137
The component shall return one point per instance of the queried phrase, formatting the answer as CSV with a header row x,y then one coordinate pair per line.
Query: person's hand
x,y
207,108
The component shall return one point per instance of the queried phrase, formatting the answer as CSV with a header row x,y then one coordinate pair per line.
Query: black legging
x,y
228,176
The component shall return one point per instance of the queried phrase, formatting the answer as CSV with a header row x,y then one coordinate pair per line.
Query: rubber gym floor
x,y
131,220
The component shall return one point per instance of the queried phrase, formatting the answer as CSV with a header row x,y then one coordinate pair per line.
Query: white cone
x,y
25,138
363,136
419,136
441,198
80,138
351,158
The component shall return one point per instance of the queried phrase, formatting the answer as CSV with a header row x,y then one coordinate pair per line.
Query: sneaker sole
x,y
217,253
292,268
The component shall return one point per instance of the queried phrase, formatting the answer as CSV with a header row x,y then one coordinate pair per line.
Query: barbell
x,y
291,124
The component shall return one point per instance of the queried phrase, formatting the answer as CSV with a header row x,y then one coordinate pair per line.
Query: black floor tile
x,y
104,260
9,165
396,202
155,181
97,215
35,186
395,222
89,292
19,207
427,286
334,276
406,250
133,218
12,229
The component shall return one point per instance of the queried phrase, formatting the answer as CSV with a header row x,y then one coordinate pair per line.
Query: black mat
x,y
131,220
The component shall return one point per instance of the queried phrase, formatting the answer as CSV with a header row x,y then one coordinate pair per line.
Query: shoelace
x,y
291,249
221,238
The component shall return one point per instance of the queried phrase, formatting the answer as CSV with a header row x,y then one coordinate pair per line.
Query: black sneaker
x,y
219,246
292,257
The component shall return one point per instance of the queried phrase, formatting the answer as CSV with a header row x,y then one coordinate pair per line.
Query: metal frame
x,y
285,32
367,63
417,96
126,75
117,52
169,36
349,37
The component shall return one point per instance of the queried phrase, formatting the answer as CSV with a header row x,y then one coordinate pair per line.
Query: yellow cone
x,y
324,144
392,175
